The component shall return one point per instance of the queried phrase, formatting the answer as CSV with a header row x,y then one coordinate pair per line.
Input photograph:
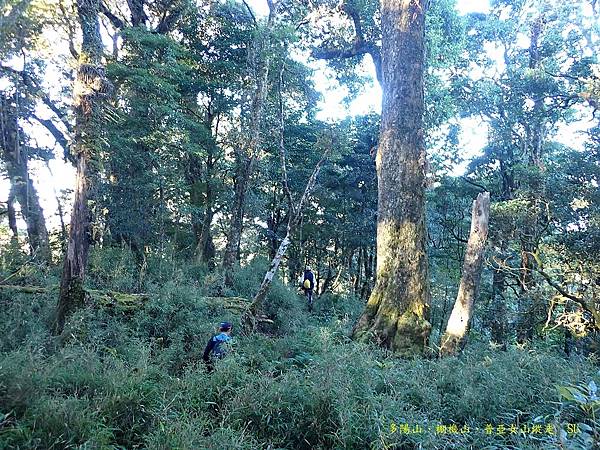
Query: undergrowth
x,y
136,380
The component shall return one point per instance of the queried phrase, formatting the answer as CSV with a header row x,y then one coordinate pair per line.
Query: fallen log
x,y
129,302
120,300
27,289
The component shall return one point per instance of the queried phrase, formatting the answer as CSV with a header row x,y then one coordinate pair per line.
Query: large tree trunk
x,y
88,91
455,336
21,186
397,312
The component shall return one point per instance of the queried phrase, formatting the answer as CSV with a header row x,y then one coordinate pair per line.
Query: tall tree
x,y
15,158
247,154
89,90
396,315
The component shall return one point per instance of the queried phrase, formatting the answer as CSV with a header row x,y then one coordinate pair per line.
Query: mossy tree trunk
x,y
455,336
397,312
89,89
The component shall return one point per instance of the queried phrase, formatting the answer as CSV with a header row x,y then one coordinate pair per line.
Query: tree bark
x,y
89,89
397,312
455,336
22,189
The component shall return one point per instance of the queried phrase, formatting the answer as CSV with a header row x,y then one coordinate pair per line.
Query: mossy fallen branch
x,y
120,300
27,289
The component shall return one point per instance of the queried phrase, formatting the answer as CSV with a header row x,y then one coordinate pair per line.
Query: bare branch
x,y
58,135
250,12
114,20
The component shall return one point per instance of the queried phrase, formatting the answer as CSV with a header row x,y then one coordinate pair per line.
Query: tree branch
x,y
37,91
168,22
359,46
483,188
114,20
58,135
250,12
589,307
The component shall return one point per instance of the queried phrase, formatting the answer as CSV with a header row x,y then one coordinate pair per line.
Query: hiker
x,y
308,284
215,349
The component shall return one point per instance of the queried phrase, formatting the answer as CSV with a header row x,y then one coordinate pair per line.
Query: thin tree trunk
x,y
455,336
61,214
359,264
12,215
88,91
201,192
231,254
369,266
498,307
397,313
22,188
206,248
246,156
249,319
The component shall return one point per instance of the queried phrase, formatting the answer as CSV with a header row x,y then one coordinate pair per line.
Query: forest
x,y
382,216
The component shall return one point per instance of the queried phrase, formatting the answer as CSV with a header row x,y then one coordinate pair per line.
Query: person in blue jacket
x,y
216,348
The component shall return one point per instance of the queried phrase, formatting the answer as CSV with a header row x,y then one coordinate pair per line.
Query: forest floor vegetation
x,y
135,379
